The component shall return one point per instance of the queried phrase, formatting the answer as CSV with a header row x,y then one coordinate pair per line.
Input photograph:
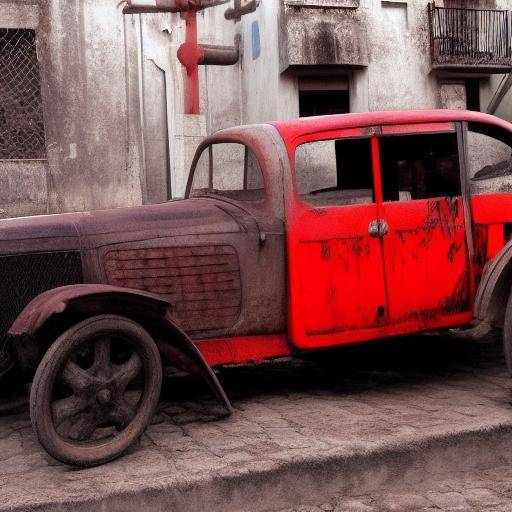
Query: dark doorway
x,y
473,94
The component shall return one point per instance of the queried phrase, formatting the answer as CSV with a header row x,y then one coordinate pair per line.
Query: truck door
x,y
426,255
336,273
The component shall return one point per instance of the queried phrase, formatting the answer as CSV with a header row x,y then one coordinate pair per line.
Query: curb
x,y
281,484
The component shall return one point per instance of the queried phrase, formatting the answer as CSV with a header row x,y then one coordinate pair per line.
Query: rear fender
x,y
494,288
65,305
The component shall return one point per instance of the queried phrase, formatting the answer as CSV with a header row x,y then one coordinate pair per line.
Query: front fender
x,y
85,300
494,288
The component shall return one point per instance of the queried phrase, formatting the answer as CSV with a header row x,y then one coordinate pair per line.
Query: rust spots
x,y
454,248
325,254
356,247
458,301
443,214
480,237
331,294
320,212
381,310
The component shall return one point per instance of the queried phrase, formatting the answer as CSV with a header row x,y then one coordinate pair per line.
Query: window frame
x,y
490,131
334,135
207,145
373,132
424,129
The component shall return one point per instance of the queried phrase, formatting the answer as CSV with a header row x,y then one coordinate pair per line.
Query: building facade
x,y
91,101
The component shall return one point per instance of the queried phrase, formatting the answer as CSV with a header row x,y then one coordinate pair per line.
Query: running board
x,y
477,332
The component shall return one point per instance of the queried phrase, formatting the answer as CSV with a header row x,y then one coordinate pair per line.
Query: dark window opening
x,y
319,103
473,94
21,110
419,167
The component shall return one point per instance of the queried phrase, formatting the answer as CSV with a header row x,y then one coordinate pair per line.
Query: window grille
x,y
21,109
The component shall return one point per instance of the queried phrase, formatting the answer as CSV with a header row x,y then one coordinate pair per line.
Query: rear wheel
x,y
95,390
507,334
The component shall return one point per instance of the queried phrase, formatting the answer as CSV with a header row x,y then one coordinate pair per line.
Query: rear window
x,y
230,170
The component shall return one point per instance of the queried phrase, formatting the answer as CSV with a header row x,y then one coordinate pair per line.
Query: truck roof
x,y
290,129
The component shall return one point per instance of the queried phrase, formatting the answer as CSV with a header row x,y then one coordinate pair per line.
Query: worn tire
x,y
507,334
78,453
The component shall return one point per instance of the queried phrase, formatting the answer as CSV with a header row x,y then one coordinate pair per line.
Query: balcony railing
x,y
470,38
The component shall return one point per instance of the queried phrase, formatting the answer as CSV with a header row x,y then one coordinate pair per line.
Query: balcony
x,y
470,39
327,33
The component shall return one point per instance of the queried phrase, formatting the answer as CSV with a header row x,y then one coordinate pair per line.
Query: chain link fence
x,y
21,109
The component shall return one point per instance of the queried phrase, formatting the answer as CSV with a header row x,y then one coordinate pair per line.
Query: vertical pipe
x,y
192,72
210,167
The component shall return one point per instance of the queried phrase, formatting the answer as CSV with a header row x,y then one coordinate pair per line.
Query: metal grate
x,y
471,37
202,283
21,110
24,276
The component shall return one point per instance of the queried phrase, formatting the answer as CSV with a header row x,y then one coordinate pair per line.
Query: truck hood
x,y
78,231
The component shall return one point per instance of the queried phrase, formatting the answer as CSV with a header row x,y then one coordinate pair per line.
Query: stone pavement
x,y
418,418
488,490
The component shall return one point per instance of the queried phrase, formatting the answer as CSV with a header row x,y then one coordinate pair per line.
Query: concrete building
x,y
91,101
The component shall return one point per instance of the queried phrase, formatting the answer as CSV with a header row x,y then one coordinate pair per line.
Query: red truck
x,y
293,236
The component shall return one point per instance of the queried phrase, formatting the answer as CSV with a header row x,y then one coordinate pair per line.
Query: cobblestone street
x,y
489,490
295,421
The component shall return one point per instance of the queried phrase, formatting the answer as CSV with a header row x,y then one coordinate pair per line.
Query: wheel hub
x,y
104,396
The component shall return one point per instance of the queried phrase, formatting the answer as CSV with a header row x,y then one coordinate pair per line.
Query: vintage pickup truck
x,y
293,236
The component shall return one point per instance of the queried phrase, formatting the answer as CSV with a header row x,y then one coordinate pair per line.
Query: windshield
x,y
230,170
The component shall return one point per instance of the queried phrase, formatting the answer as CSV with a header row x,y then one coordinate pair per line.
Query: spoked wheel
x,y
95,390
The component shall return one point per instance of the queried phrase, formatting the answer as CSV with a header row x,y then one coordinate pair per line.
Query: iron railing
x,y
461,37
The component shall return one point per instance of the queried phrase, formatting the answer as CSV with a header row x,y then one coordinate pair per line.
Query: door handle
x,y
378,228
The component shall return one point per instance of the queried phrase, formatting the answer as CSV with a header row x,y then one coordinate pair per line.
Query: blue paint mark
x,y
256,45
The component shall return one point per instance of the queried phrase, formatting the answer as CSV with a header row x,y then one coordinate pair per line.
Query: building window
x,y
473,94
320,96
21,110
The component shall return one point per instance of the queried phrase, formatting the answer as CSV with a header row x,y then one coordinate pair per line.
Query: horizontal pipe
x,y
235,14
155,6
219,55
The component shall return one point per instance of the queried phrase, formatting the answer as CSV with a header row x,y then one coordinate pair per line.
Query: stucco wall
x,y
113,90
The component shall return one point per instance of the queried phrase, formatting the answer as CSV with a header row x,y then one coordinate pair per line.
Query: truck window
x,y
230,170
334,172
419,166
489,162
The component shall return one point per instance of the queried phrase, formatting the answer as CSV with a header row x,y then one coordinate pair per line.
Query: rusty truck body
x,y
293,236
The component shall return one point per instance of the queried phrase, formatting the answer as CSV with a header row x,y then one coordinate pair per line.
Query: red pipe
x,y
189,54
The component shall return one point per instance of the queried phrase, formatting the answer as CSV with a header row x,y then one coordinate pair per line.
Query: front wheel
x,y
95,390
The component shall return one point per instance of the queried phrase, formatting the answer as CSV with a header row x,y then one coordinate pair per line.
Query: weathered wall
x,y
23,184
113,88
91,140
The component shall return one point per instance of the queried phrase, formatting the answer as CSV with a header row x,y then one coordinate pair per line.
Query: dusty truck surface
x,y
293,236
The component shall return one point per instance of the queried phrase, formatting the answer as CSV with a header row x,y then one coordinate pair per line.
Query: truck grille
x,y
201,283
24,276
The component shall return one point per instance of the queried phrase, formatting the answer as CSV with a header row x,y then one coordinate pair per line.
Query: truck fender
x,y
494,288
61,307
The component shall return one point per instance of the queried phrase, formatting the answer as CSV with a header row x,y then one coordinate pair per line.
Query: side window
x,y
419,166
334,172
230,170
489,162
